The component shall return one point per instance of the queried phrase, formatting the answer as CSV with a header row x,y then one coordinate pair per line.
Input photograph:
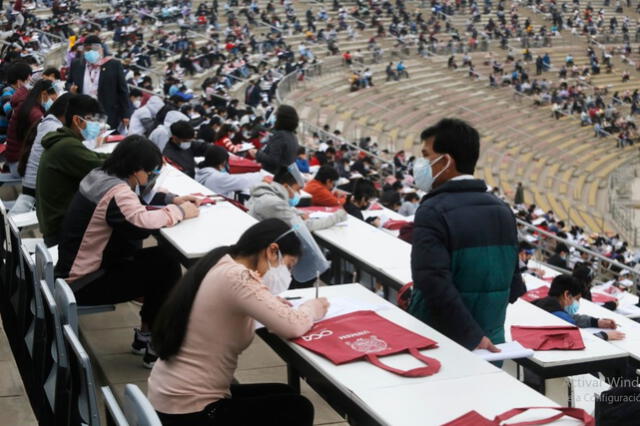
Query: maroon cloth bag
x,y
367,335
535,294
243,165
473,418
547,338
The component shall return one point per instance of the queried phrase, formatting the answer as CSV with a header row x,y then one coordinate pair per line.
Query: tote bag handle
x,y
576,413
433,365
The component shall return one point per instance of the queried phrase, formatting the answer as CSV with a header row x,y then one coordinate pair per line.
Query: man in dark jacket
x,y
464,259
103,79
181,150
281,149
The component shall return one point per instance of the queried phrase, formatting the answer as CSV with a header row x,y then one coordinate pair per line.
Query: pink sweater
x,y
220,327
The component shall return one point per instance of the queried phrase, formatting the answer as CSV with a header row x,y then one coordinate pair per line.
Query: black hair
x,y
302,150
18,71
136,93
81,105
58,108
133,153
561,247
170,325
224,130
565,282
362,189
182,129
283,176
582,273
214,156
286,118
52,71
458,139
390,198
326,173
411,196
206,133
31,101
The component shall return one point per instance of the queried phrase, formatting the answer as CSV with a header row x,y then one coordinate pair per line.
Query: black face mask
x,y
366,206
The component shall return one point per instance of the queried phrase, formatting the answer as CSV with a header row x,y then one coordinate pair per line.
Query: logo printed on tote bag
x,y
368,345
317,336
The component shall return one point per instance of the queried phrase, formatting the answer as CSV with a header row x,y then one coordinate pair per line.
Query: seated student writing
x,y
564,301
322,188
278,200
360,199
209,320
213,173
100,251
181,148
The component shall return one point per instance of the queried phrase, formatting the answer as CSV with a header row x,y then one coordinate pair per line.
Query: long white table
x,y
626,301
361,390
370,249
218,225
631,328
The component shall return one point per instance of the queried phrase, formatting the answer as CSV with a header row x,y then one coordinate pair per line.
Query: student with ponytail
x,y
209,319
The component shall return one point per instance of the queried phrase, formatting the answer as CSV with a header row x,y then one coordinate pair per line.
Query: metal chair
x,y
79,383
138,409
55,364
44,264
66,301
113,412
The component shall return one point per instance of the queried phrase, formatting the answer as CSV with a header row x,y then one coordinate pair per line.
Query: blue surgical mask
x,y
47,104
185,145
92,56
423,173
573,308
91,130
293,201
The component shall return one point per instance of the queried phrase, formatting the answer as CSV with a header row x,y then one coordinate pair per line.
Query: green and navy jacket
x,y
464,262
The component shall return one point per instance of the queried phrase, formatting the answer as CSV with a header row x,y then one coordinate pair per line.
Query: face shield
x,y
295,172
311,262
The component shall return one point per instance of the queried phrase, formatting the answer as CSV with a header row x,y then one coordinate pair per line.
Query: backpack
x,y
618,406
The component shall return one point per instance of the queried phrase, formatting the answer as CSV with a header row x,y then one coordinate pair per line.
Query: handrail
x,y
291,77
580,248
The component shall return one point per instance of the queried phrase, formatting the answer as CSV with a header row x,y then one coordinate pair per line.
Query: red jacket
x,y
14,146
321,196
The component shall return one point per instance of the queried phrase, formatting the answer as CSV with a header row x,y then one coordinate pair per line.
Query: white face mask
x,y
137,103
185,145
277,279
423,173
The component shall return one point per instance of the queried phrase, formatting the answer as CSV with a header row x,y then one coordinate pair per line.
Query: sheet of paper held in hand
x,y
509,350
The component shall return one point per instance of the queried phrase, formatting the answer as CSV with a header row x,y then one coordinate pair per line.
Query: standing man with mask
x,y
101,78
464,259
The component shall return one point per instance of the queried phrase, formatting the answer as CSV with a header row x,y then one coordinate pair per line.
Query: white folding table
x,y
360,390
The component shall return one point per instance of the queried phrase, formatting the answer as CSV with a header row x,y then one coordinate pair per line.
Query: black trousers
x,y
264,404
151,273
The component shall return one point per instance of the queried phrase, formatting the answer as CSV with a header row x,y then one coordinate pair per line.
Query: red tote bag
x,y
535,294
547,338
367,335
242,165
473,418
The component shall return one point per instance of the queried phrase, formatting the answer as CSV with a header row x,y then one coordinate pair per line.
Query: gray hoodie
x,y
48,124
146,112
271,200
